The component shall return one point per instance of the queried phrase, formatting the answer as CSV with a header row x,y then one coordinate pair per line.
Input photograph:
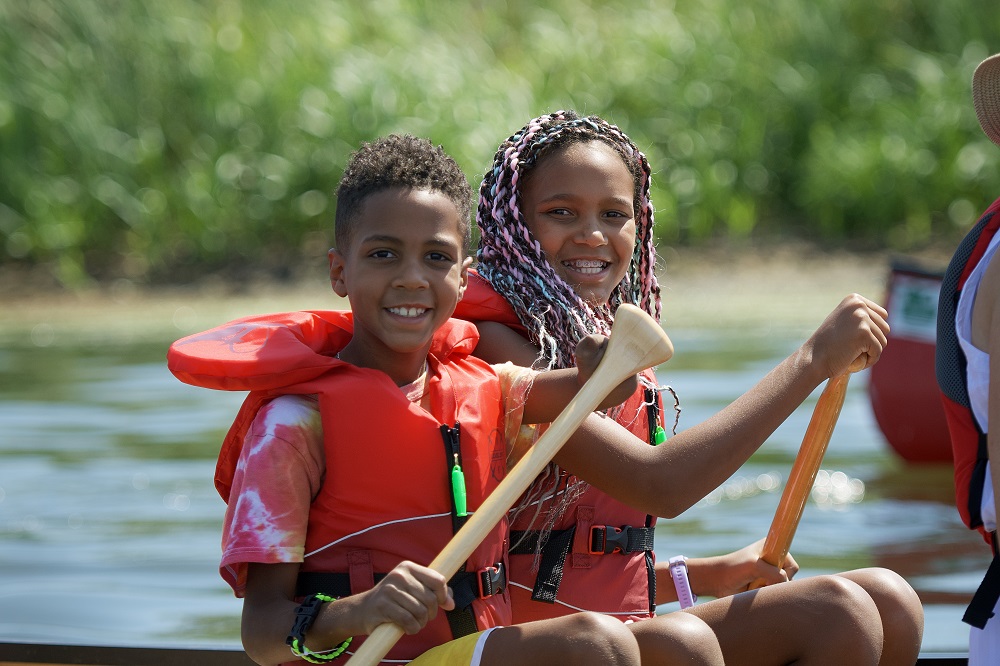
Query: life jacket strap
x,y
980,610
466,586
604,540
607,539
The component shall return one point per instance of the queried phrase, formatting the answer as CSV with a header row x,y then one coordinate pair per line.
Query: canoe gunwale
x,y
37,654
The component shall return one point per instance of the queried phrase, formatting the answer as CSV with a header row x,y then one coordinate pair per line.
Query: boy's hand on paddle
x,y
409,596
852,337
589,352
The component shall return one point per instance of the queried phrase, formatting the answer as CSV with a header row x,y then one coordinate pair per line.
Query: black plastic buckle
x,y
492,580
606,539
305,615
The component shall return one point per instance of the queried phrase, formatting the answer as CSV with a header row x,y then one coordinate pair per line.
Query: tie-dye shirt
x,y
280,472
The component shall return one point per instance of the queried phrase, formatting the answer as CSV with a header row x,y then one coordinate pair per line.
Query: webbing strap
x,y
461,622
555,552
606,539
980,610
977,480
651,580
466,586
553,562
333,584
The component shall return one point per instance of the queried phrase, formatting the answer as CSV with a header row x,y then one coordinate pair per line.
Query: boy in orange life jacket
x,y
335,471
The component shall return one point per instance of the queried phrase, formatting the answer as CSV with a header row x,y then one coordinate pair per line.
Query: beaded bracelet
x,y
305,615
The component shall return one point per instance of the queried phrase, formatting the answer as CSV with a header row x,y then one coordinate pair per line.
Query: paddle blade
x,y
636,343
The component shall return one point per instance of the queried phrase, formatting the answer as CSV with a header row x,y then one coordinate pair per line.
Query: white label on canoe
x,y
913,303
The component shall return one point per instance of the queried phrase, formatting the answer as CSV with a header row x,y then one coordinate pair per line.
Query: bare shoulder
x,y
499,344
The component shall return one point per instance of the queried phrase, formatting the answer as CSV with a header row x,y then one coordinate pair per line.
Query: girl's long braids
x,y
512,261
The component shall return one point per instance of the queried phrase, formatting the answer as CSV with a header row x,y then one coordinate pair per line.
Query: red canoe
x,y
902,387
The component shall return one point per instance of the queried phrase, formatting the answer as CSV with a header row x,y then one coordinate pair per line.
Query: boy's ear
x,y
464,277
337,272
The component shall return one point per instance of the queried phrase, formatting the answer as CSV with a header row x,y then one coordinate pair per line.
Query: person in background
x,y
968,374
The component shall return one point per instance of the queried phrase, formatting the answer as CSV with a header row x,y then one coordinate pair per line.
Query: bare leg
x,y
582,638
677,638
821,620
900,610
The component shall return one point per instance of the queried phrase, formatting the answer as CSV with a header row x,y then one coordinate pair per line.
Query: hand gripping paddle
x,y
636,343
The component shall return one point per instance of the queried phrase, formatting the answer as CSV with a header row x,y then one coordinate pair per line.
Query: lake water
x,y
109,522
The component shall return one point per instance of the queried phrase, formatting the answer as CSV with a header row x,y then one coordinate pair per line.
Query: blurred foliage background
x,y
162,142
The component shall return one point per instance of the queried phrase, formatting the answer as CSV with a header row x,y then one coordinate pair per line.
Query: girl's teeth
x,y
589,266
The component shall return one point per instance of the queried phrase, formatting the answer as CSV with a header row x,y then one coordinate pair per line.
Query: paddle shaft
x,y
636,343
803,473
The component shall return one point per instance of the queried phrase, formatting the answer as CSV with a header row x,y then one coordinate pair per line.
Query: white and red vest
x,y
968,435
968,440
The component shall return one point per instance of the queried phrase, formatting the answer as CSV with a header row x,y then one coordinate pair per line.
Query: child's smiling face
x,y
404,271
578,204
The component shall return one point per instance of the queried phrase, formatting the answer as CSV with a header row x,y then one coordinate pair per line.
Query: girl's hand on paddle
x,y
729,574
409,596
852,337
589,352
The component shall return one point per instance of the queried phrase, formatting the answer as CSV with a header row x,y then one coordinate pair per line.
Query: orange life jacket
x,y
599,554
386,495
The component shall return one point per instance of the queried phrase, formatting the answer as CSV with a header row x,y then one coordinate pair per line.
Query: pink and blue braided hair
x,y
512,261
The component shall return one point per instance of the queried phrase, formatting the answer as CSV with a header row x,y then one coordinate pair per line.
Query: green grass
x,y
156,143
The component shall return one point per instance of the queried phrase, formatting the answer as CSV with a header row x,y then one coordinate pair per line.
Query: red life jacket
x,y
968,441
599,554
386,495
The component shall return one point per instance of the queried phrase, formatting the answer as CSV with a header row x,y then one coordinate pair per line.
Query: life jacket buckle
x,y
607,539
492,580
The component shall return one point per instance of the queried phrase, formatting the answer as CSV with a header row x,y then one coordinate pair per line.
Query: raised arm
x,y
666,480
552,390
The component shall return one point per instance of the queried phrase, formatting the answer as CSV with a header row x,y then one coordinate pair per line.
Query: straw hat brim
x,y
986,96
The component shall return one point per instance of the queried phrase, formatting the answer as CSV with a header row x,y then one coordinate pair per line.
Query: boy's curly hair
x,y
399,161
511,259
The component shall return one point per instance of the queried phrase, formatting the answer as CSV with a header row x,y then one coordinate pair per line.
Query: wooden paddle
x,y
636,342
804,469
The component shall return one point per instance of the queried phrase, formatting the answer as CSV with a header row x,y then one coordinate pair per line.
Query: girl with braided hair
x,y
566,236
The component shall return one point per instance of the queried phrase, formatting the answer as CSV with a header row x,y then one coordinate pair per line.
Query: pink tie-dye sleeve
x,y
279,473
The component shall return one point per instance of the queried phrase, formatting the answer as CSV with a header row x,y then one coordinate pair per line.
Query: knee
x,y
677,638
890,591
901,612
846,595
592,638
851,618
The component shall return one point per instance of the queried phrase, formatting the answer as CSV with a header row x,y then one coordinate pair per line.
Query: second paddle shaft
x,y
804,470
